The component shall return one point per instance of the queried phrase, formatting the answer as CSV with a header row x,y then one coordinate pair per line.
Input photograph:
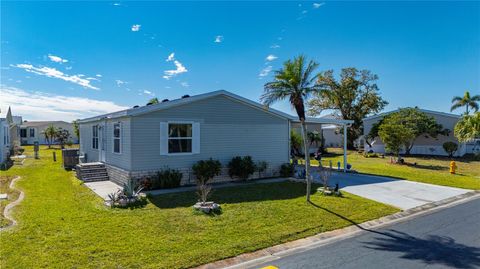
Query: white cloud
x,y
34,105
317,5
148,92
271,57
304,12
120,82
265,71
170,57
98,75
185,84
54,73
275,46
117,4
136,27
180,68
218,39
68,68
57,59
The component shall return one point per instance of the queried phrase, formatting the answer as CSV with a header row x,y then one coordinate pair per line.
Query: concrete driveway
x,y
403,194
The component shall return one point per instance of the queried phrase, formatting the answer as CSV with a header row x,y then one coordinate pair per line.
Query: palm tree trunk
x,y
307,159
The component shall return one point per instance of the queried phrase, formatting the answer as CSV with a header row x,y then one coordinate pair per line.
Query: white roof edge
x,y
182,101
423,110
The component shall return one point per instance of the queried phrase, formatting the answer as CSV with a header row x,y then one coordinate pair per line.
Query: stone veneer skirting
x,y
121,176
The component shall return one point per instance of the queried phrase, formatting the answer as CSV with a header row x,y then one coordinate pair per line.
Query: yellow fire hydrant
x,y
453,167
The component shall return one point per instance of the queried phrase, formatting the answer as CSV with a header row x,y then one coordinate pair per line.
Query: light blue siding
x,y
122,159
227,128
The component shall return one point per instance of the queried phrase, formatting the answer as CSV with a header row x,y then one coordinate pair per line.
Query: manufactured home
x,y
140,141
424,145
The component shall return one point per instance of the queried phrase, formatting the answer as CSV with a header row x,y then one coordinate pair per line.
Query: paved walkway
x,y
403,194
103,188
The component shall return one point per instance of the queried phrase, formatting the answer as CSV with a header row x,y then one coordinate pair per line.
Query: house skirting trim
x,y
122,176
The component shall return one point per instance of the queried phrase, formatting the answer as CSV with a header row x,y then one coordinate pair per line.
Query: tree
x,y
466,101
420,123
296,142
468,127
395,135
50,134
355,96
450,148
153,101
294,81
62,136
76,128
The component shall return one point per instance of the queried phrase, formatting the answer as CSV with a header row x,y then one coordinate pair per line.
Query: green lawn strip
x,y
62,224
433,170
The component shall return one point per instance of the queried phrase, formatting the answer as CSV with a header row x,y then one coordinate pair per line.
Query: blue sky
x,y
67,60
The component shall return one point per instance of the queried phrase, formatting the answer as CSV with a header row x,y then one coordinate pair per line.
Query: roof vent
x,y
165,100
185,96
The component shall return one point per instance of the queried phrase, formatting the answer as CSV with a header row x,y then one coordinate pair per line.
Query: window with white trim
x,y
180,137
32,132
95,136
116,137
23,133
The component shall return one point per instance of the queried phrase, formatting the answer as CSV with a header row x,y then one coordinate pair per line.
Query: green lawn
x,y
64,225
434,170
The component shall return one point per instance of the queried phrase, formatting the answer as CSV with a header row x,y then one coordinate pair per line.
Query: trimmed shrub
x,y
450,148
287,170
204,171
241,167
164,179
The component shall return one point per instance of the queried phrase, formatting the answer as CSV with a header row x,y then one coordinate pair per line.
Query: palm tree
x,y
468,127
50,132
153,101
466,101
294,81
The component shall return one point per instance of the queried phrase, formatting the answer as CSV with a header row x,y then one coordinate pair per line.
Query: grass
x,y
433,170
62,224
11,194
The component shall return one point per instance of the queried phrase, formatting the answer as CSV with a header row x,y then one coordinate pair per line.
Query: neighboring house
x,y
423,145
332,133
138,142
4,140
32,131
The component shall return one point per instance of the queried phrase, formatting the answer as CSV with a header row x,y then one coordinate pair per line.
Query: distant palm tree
x,y
466,101
294,81
153,101
50,133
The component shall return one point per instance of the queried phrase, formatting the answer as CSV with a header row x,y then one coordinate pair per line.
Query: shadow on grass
x,y
428,167
233,195
432,249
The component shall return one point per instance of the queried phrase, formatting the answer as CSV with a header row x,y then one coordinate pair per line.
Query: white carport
x,y
340,122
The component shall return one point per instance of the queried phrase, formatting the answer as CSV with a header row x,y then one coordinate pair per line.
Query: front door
x,y
102,142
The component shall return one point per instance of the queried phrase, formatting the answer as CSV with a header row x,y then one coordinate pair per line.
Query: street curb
x,y
275,252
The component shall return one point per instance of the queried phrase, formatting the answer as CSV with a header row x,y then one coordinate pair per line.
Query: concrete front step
x,y
91,172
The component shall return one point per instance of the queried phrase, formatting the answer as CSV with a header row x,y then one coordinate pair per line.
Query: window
x,y
116,137
180,137
32,132
95,137
23,133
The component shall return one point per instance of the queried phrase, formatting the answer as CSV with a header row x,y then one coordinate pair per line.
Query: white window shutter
x,y
196,138
163,138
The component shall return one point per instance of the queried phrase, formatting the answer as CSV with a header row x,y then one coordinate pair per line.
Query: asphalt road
x,y
449,238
